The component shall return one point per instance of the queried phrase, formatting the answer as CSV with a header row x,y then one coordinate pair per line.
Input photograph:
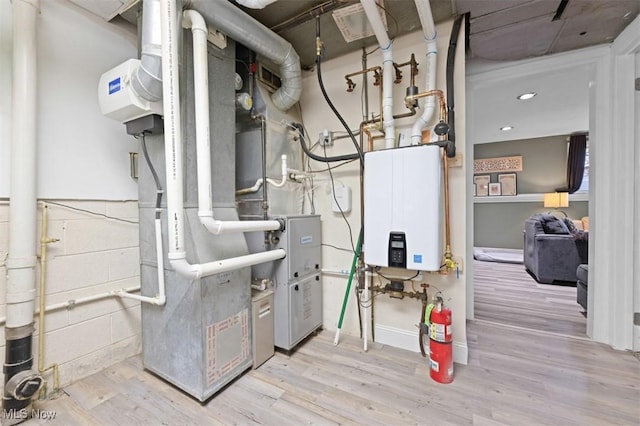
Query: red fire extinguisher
x,y
440,342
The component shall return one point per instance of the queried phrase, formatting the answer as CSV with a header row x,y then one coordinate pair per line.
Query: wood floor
x,y
514,377
506,294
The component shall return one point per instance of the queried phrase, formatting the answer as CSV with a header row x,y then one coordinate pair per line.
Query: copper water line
x,y
413,69
447,232
375,69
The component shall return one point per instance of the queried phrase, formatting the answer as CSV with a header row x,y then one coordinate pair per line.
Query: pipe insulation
x,y
430,38
255,4
195,21
146,81
241,27
23,208
371,10
174,166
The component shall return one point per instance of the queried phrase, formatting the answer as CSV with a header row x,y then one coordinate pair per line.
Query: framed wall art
x,y
508,183
482,185
495,189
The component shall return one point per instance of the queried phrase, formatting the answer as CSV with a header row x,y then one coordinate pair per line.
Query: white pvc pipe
x,y
371,10
216,267
70,304
173,162
160,299
195,21
430,35
23,207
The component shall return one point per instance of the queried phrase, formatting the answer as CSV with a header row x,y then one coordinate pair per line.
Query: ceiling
x,y
499,30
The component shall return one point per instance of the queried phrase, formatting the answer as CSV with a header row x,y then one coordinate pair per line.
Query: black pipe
x,y
316,157
451,56
326,97
17,358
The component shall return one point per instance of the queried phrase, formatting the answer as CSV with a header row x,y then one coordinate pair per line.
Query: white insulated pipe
x,y
371,10
430,36
258,184
23,207
195,21
256,4
174,166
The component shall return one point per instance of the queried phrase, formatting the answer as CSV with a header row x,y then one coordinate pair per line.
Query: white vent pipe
x,y
255,4
146,81
173,163
371,10
195,21
241,27
430,36
23,207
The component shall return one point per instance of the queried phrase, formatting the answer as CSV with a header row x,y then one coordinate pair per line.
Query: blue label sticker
x,y
114,86
306,240
417,258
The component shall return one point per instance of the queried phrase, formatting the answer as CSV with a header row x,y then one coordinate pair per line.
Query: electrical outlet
x,y
325,138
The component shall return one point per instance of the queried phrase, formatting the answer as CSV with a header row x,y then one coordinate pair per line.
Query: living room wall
x,y
500,224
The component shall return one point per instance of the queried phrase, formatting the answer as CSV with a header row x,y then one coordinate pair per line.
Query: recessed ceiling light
x,y
506,128
526,96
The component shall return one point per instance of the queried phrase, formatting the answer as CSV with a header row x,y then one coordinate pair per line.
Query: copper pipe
x,y
412,112
413,70
353,74
447,232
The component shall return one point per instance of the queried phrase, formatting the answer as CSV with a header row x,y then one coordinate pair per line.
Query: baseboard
x,y
408,340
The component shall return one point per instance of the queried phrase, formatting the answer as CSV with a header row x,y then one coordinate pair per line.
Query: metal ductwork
x,y
232,21
147,79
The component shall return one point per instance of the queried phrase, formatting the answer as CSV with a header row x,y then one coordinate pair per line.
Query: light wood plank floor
x,y
506,294
514,377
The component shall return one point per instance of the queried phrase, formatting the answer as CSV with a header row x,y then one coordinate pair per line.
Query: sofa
x,y
553,248
582,275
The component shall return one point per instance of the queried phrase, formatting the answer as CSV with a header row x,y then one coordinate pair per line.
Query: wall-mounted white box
x,y
402,189
341,199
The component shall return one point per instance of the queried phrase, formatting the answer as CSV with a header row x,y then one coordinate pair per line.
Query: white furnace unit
x,y
402,208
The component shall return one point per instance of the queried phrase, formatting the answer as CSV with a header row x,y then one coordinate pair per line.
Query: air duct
x,y
371,10
146,81
430,36
174,166
244,29
255,4
21,383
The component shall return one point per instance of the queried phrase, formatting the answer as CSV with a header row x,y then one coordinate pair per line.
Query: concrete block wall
x,y
96,253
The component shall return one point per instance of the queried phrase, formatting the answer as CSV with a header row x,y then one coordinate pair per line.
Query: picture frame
x,y
508,182
495,189
482,185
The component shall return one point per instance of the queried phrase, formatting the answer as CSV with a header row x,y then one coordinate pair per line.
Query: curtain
x,y
575,162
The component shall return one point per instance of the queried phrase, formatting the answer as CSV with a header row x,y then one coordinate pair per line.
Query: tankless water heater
x,y
402,208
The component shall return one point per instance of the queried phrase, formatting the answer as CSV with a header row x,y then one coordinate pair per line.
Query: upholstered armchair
x,y
551,251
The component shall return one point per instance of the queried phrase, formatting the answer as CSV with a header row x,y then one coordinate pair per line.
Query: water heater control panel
x,y
397,250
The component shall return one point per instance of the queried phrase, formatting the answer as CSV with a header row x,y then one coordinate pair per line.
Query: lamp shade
x,y
556,199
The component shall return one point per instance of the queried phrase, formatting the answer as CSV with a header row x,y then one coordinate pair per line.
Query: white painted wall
x,y
395,319
95,255
81,154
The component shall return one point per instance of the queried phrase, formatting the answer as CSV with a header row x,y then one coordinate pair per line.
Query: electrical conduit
x,y
23,207
173,162
371,10
430,36
195,21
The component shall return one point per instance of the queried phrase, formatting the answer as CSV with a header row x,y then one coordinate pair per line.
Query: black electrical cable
x,y
326,98
159,191
451,56
325,159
